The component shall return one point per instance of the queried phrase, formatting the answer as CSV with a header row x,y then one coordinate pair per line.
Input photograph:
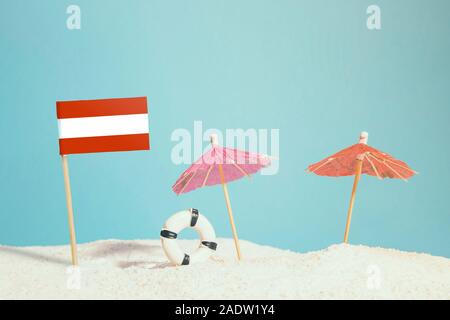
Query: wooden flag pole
x,y
73,241
352,199
230,211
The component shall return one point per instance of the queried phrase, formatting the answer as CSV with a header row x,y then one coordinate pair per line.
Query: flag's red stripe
x,y
103,107
127,142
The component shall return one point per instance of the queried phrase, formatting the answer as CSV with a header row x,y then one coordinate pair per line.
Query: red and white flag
x,y
104,125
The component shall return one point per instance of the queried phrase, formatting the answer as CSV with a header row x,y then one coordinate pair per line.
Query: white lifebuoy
x,y
185,219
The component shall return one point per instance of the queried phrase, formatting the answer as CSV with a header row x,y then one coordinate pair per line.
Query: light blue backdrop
x,y
310,68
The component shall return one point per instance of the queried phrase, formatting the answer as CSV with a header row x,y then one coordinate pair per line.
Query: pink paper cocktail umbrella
x,y
360,159
221,165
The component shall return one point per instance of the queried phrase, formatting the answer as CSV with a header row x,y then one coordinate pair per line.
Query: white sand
x,y
116,269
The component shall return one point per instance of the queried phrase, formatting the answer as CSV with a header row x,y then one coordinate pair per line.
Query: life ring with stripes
x,y
190,218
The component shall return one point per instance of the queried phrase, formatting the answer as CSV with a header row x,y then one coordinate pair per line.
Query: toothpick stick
x,y
73,241
230,212
352,199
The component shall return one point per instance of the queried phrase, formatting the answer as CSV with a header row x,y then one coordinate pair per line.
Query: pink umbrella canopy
x,y
220,165
205,171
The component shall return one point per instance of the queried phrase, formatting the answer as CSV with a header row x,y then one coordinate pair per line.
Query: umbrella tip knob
x,y
214,139
363,137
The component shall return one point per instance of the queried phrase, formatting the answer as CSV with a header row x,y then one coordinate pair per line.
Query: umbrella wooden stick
x,y
358,169
352,199
230,211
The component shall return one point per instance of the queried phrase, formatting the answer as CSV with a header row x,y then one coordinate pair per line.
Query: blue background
x,y
310,68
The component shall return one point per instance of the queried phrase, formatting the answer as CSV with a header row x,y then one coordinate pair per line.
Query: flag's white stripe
x,y
103,126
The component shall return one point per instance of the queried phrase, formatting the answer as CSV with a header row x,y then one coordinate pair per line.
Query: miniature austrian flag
x,y
105,125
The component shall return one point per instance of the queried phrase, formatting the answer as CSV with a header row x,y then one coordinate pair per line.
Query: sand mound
x,y
115,269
